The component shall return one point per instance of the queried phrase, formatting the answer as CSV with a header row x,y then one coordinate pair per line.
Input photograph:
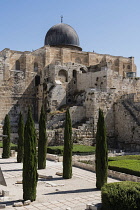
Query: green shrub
x,y
68,146
77,149
42,141
121,195
20,147
55,151
101,155
30,175
6,140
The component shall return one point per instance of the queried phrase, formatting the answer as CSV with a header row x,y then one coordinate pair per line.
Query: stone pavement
x,y
55,193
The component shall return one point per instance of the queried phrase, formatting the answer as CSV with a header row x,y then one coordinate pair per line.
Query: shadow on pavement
x,y
74,191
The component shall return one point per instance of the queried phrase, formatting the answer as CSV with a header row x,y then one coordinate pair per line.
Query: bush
x,y
77,149
6,140
20,152
30,175
42,141
55,151
121,195
101,155
68,146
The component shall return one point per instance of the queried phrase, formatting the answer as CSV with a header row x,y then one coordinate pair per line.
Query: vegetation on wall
x,y
6,139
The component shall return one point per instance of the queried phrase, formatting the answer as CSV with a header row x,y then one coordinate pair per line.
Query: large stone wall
x,y
85,81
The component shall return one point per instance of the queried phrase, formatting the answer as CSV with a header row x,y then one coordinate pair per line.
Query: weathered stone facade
x,y
61,76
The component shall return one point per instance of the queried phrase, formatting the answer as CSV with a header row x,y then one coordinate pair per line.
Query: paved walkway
x,y
55,193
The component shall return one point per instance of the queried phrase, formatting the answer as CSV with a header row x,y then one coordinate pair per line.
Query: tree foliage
x,y
20,151
6,139
42,142
101,152
68,146
30,175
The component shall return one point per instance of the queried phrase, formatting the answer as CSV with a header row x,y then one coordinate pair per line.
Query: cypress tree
x,y
6,140
20,151
101,152
30,175
68,146
42,142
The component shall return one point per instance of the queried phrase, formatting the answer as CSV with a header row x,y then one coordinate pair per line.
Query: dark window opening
x,y
63,76
74,74
37,80
36,67
17,65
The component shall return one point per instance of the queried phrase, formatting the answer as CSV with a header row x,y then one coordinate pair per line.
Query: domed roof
x,y
62,35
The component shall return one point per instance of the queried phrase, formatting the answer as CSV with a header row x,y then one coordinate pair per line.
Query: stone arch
x,y
17,65
35,66
63,75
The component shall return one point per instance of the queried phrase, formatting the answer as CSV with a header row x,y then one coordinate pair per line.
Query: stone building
x,y
61,75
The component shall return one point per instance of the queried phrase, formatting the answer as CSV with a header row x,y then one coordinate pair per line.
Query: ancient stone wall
x,y
127,125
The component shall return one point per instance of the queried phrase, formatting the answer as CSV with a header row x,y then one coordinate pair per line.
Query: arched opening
x,y
17,65
128,66
74,74
35,67
63,76
37,80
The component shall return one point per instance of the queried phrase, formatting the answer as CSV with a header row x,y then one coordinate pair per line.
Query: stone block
x,y
28,202
5,193
2,206
88,206
93,207
45,177
18,204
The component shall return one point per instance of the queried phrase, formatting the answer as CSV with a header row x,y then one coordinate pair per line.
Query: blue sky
x,y
105,26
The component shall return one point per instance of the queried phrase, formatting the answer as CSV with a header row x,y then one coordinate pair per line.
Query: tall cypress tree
x,y
6,139
20,151
42,142
30,175
101,152
68,146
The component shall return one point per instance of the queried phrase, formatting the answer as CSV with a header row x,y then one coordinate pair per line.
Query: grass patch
x,y
125,157
77,149
128,166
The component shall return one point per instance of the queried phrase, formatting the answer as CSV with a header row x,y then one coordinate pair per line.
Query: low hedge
x,y
77,149
121,196
56,151
126,166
